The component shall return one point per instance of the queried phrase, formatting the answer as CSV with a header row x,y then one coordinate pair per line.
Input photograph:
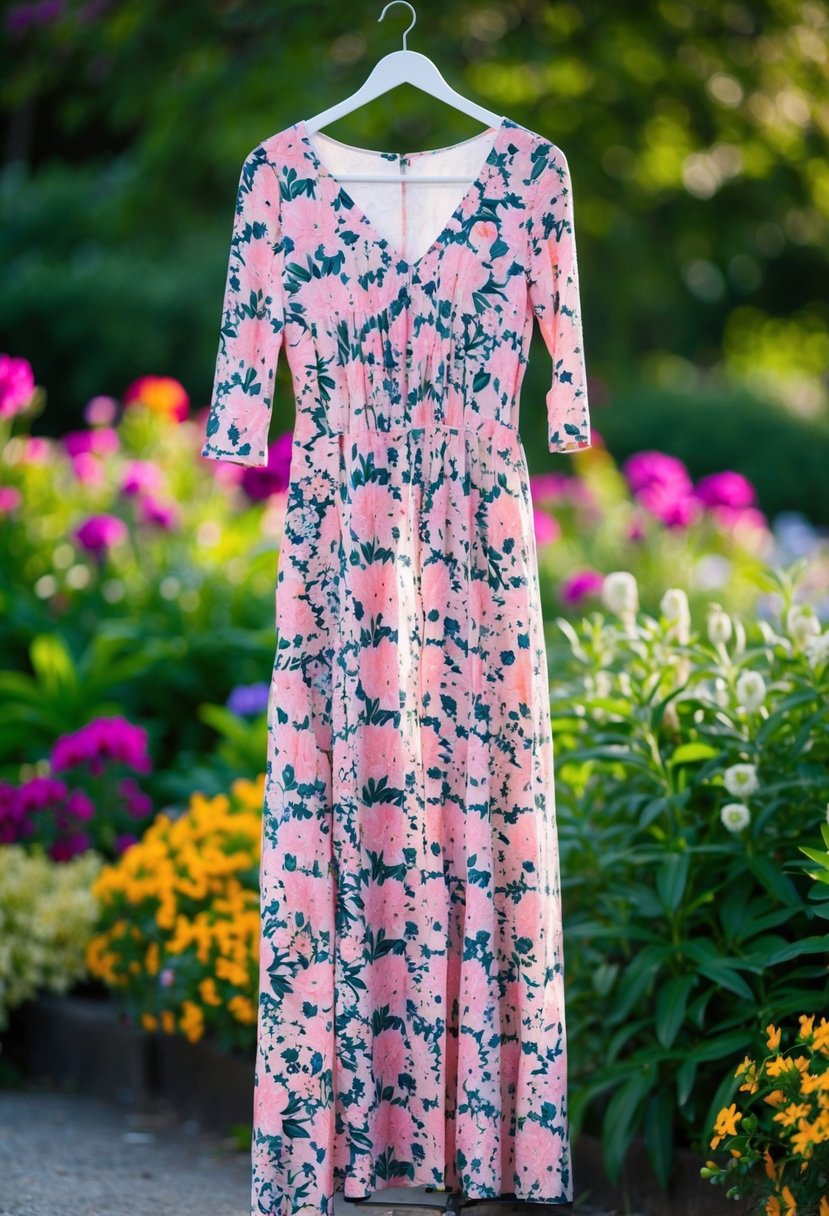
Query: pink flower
x,y
10,498
550,487
138,804
100,411
141,477
579,585
662,485
88,469
36,450
17,385
101,532
101,441
726,489
162,514
546,526
260,483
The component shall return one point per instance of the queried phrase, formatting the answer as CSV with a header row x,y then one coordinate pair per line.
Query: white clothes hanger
x,y
402,67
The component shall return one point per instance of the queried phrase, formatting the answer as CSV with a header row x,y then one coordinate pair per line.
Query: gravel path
x,y
75,1155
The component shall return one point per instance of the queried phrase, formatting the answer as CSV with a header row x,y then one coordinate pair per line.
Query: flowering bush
x,y
780,1151
690,765
47,916
87,798
178,936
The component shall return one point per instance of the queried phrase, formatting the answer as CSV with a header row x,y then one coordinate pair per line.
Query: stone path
x,y
75,1155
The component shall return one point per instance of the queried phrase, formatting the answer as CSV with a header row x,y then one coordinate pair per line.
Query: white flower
x,y
751,690
674,607
741,780
719,625
816,649
802,623
735,816
620,593
827,812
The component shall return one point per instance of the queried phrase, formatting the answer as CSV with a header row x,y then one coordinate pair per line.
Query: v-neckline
x,y
478,182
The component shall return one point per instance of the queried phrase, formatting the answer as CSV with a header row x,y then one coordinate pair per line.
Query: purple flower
x,y
99,533
17,385
40,793
124,841
70,846
114,739
726,489
11,813
141,477
248,699
261,483
580,585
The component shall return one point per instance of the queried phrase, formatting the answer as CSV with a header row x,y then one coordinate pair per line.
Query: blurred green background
x,y
695,134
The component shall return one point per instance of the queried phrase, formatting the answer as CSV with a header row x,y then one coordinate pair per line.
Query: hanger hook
x,y
414,17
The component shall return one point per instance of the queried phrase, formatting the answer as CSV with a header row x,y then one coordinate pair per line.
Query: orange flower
x,y
161,394
773,1032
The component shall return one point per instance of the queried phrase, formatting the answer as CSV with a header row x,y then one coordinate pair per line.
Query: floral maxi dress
x,y
411,1025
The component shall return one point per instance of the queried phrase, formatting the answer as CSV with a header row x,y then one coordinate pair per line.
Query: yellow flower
x,y
168,1021
791,1208
773,1041
192,1021
726,1124
806,1025
209,995
148,1021
823,1210
773,1206
242,1009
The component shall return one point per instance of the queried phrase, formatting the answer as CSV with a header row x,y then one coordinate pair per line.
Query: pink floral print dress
x,y
411,1015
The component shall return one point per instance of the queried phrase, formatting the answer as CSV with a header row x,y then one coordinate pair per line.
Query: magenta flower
x,y
550,487
99,533
41,793
88,469
546,526
579,585
17,385
138,804
10,498
11,813
79,806
141,477
101,441
162,514
261,483
36,449
726,489
662,485
113,739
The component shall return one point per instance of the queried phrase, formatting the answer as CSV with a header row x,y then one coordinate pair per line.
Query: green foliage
x,y
684,788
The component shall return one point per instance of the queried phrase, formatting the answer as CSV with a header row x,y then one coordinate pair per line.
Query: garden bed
x,y
81,1043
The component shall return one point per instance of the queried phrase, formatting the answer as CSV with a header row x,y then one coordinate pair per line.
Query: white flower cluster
x,y
47,916
741,782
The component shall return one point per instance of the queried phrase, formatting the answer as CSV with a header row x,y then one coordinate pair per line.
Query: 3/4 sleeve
x,y
553,280
252,325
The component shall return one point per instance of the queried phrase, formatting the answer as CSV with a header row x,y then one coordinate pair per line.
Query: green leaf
x,y
658,1133
690,753
622,1119
671,1002
806,945
671,878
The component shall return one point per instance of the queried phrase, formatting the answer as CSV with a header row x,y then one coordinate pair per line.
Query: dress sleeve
x,y
252,325
553,280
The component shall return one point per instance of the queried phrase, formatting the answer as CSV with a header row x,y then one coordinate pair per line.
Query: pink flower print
x,y
389,1055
